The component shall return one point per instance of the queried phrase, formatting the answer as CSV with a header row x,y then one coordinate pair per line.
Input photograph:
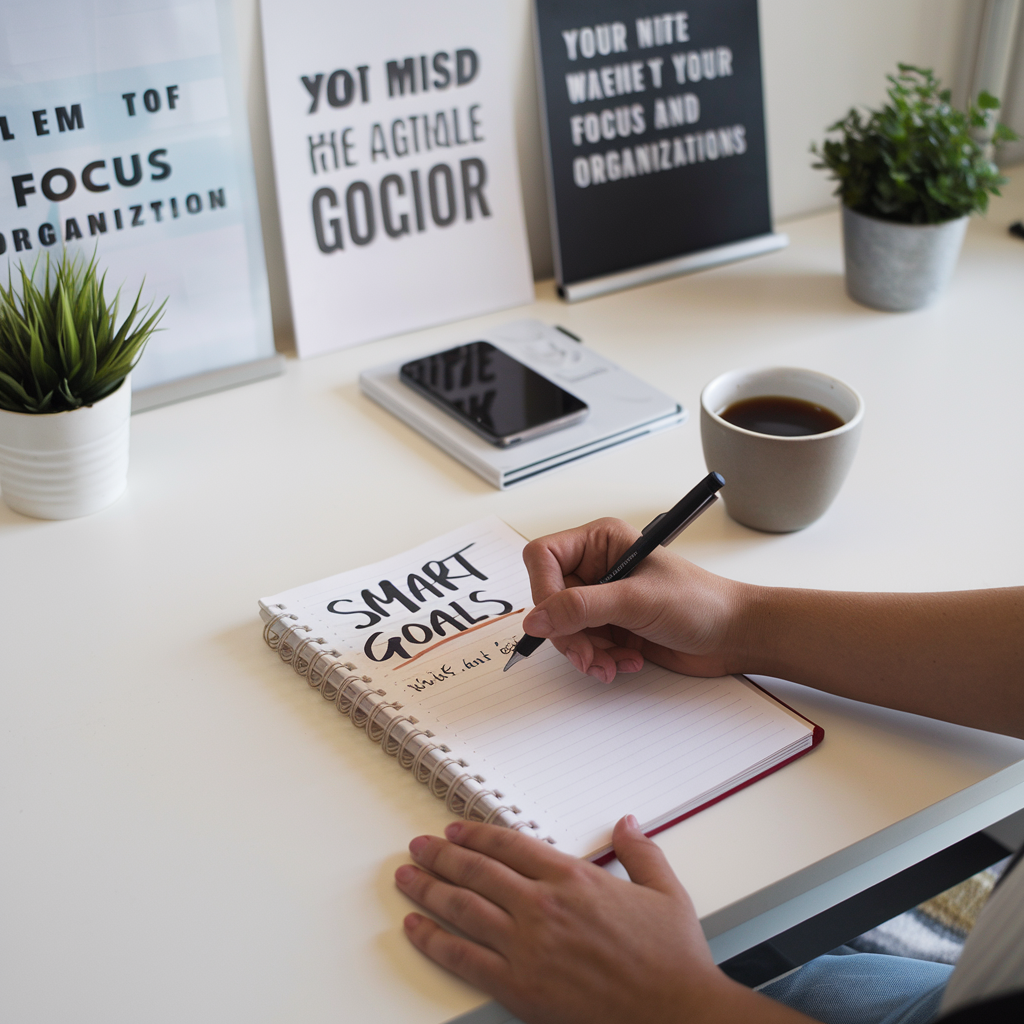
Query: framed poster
x,y
123,132
396,166
655,139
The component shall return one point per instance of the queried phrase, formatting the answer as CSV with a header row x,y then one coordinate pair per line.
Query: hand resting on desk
x,y
555,939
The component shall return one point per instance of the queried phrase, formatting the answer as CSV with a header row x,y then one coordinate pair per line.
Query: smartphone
x,y
493,393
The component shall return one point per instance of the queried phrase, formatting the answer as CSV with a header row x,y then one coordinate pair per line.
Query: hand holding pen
x,y
577,557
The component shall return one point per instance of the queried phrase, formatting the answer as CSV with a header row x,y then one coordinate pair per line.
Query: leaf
x,y
21,402
914,160
61,345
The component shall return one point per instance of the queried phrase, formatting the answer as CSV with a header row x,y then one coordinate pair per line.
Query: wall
x,y
823,56
820,58
1013,104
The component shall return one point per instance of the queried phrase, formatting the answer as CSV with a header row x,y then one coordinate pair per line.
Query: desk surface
x,y
191,833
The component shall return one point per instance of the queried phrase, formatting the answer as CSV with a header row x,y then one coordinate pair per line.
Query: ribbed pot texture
x,y
66,464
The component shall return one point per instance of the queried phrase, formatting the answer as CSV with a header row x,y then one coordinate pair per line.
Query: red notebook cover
x,y
817,735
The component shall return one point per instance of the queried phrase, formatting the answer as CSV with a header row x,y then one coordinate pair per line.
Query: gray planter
x,y
899,267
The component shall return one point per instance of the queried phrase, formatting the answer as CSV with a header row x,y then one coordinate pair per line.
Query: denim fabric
x,y
847,987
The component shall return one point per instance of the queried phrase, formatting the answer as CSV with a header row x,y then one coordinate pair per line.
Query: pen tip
x,y
516,656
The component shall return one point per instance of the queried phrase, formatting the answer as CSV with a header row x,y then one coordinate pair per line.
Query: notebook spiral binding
x,y
397,734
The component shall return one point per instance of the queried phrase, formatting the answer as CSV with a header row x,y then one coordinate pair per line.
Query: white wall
x,y
1013,104
820,58
823,56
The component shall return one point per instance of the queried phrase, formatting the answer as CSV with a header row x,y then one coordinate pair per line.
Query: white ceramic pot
x,y
62,465
899,267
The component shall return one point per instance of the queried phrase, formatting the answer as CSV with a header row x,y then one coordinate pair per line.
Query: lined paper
x,y
575,754
583,753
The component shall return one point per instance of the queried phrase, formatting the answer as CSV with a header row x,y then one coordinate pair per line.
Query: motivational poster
x,y
122,133
654,133
395,164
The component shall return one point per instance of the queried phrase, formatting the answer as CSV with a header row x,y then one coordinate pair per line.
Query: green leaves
x,y
916,160
59,349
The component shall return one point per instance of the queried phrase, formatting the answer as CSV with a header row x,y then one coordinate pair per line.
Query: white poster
x,y
122,132
396,165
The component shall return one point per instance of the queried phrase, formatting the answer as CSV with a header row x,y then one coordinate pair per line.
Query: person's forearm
x,y
958,656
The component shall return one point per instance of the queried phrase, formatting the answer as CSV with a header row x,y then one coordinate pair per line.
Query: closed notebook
x,y
411,651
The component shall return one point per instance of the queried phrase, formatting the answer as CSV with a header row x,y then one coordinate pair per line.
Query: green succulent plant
x,y
916,160
60,345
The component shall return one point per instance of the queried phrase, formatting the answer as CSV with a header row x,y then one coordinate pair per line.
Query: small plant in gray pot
x,y
65,387
910,174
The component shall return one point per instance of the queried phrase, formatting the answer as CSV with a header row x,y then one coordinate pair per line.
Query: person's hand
x,y
669,611
556,939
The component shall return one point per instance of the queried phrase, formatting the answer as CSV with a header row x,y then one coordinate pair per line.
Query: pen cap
x,y
686,522
699,511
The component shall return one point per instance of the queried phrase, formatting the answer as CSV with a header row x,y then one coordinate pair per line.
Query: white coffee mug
x,y
772,483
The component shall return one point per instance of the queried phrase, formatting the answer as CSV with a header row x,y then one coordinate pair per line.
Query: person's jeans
x,y
847,987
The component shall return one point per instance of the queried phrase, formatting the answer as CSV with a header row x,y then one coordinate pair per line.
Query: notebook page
x,y
399,609
433,629
578,754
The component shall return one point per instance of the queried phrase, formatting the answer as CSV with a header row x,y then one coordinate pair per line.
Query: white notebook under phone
x,y
623,408
412,649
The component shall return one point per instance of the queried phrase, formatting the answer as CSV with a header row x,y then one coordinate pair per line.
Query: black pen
x,y
661,530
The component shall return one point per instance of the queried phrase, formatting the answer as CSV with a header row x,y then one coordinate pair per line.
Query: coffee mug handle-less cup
x,y
779,484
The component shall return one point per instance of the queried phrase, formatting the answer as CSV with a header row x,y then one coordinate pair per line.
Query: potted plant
x,y
910,174
65,391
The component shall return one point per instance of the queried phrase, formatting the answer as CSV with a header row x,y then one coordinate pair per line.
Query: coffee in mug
x,y
781,416
784,439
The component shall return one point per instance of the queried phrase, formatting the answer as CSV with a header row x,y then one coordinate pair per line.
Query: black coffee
x,y
784,417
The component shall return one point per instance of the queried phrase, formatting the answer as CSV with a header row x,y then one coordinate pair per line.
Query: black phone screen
x,y
493,393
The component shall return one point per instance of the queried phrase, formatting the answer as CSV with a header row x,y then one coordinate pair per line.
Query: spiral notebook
x,y
411,651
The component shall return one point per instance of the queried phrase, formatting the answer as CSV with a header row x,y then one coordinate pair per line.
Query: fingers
x,y
546,574
642,858
467,910
523,854
577,608
469,868
560,565
479,966
599,658
587,552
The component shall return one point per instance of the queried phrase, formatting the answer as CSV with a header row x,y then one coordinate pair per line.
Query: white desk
x,y
193,834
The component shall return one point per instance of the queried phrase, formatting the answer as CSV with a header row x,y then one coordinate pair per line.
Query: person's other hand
x,y
556,939
669,611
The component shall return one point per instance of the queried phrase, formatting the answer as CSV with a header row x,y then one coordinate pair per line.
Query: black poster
x,y
655,130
